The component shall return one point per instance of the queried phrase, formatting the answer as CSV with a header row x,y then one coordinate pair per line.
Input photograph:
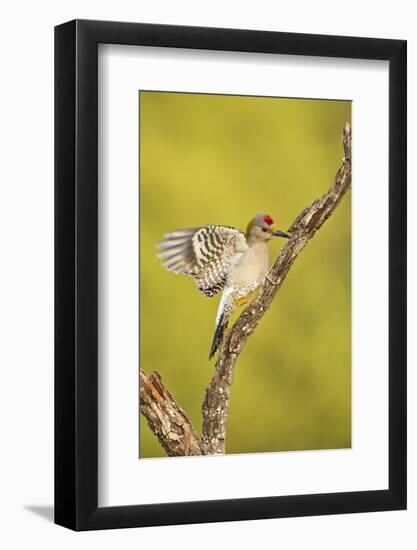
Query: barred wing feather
x,y
206,253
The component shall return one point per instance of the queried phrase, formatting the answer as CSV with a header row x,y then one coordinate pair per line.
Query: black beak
x,y
281,234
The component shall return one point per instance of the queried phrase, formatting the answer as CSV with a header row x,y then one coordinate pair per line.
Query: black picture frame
x,y
76,272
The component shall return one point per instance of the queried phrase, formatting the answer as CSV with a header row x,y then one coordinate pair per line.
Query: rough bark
x,y
166,419
217,398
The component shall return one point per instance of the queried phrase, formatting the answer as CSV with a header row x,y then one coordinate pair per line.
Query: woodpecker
x,y
222,258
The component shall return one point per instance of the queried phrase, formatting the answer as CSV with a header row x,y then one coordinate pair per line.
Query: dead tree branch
x,y
217,398
176,436
166,419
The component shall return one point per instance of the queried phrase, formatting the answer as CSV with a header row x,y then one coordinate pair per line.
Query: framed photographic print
x,y
230,252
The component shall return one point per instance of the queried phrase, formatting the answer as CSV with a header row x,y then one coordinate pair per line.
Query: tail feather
x,y
218,335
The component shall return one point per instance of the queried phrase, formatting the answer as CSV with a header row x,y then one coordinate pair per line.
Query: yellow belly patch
x,y
244,300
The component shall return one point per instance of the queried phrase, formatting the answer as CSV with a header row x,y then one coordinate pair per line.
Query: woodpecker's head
x,y
262,228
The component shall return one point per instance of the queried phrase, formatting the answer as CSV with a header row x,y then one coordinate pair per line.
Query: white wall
x,y
26,289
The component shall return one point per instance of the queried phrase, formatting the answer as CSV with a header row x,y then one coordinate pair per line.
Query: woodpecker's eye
x,y
264,229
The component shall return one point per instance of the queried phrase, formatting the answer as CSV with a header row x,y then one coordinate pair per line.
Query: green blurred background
x,y
223,159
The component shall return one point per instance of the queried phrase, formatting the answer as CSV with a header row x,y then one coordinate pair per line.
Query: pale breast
x,y
251,267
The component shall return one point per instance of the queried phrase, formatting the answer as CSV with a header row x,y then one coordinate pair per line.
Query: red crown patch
x,y
268,219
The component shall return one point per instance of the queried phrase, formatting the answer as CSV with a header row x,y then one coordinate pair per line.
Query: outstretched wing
x,y
206,253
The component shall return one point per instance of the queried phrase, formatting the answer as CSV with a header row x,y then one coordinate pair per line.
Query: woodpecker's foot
x,y
274,283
